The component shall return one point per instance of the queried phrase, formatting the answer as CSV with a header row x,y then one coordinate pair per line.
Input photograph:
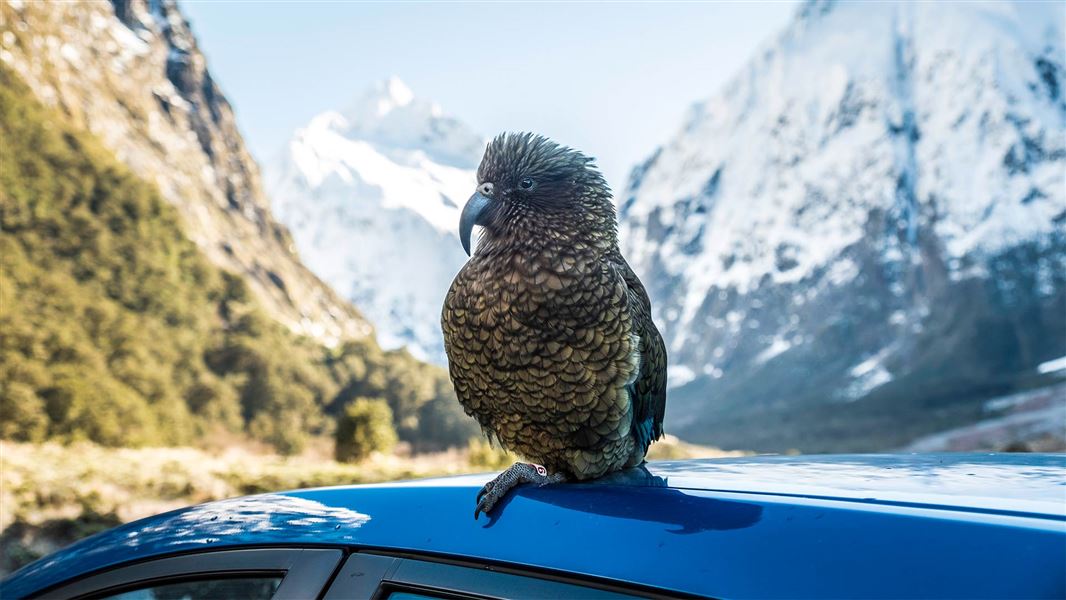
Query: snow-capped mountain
x,y
372,196
862,234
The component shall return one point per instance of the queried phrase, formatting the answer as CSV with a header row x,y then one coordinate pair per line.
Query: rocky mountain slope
x,y
862,236
130,71
121,174
372,196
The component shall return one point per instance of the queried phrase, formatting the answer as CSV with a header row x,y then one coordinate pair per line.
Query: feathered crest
x,y
525,152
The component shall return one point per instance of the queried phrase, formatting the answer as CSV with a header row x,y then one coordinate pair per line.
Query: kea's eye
x,y
526,183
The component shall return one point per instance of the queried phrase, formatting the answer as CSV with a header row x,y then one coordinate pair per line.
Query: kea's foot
x,y
519,473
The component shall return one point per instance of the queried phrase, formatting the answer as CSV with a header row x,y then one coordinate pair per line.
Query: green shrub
x,y
482,454
365,427
84,404
22,416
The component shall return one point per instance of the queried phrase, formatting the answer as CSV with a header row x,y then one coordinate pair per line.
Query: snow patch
x,y
867,376
1052,366
777,347
677,376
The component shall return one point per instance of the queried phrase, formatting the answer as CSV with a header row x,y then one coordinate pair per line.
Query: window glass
x,y
233,588
411,596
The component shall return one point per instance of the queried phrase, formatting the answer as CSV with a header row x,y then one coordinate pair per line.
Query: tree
x,y
364,427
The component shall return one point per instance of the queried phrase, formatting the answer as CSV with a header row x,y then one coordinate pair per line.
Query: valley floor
x,y
1029,421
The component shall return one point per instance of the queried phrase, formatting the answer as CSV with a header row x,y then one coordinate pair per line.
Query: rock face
x,y
130,71
861,237
372,196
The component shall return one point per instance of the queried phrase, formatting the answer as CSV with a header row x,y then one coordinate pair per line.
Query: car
x,y
862,526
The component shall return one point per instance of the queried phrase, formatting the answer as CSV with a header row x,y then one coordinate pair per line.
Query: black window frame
x,y
374,576
305,572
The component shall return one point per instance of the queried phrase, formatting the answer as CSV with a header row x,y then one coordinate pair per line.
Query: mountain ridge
x,y
149,296
131,72
867,230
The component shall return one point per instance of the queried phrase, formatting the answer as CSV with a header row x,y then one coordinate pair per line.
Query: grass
x,y
52,495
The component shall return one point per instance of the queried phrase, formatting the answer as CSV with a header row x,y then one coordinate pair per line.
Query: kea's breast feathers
x,y
558,329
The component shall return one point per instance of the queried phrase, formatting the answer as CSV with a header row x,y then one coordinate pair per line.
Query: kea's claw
x,y
485,489
519,473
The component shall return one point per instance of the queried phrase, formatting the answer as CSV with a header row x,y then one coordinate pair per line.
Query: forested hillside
x,y
116,329
131,73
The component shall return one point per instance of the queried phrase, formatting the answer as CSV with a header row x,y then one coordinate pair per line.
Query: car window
x,y
244,588
366,575
254,573
411,596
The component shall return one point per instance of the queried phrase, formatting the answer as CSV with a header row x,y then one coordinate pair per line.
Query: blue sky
x,y
611,79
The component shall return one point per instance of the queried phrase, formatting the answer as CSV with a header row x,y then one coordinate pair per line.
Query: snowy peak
x,y
932,83
381,99
372,196
392,93
390,116
326,155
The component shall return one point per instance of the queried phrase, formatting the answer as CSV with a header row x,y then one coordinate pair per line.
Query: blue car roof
x,y
990,525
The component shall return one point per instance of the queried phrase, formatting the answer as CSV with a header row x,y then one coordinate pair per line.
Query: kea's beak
x,y
473,214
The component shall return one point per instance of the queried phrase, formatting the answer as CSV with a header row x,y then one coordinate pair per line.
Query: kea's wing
x,y
648,391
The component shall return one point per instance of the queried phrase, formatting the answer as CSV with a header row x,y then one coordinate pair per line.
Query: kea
x,y
548,332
